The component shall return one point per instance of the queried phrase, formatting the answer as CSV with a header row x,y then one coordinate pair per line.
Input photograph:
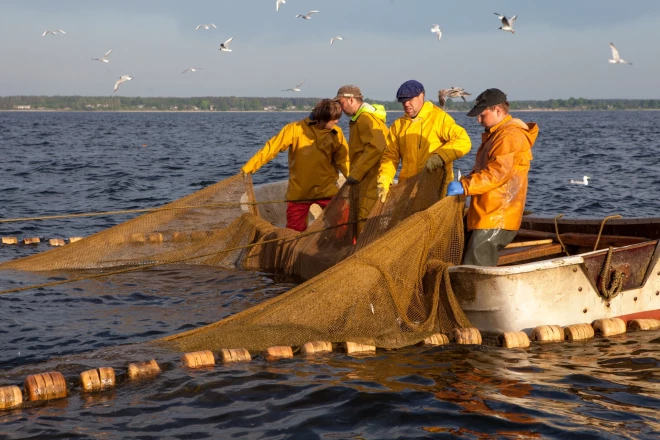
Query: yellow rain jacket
x,y
315,156
413,140
498,182
366,144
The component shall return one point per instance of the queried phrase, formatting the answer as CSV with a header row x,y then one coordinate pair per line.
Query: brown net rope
x,y
388,287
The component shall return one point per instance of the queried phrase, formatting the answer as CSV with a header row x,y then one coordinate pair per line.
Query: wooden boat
x,y
537,283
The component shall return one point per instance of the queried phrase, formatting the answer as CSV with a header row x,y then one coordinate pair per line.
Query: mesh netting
x,y
388,287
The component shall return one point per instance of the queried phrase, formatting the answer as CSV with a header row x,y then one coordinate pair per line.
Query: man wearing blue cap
x,y
425,137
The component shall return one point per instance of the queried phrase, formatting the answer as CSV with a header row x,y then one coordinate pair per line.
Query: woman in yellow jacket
x,y
426,136
317,151
498,182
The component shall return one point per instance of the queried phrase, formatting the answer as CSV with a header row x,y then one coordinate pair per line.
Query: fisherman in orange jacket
x,y
498,182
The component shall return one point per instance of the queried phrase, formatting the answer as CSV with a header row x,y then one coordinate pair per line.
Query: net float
x,y
436,339
609,326
234,355
10,397
31,240
548,333
357,348
74,239
56,242
514,340
155,237
316,347
143,370
278,352
99,379
578,332
9,240
45,386
644,324
468,335
198,359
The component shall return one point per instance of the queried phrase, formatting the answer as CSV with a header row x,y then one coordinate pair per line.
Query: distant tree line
x,y
233,103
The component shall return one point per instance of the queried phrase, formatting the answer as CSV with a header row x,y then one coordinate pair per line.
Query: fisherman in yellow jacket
x,y
498,182
317,151
366,144
425,137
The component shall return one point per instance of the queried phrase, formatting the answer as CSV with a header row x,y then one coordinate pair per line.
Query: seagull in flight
x,y
206,26
332,40
58,31
308,16
584,181
104,58
507,23
192,69
225,46
454,92
296,88
278,3
121,80
616,59
436,30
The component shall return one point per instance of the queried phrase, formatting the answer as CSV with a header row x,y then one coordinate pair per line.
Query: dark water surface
x,y
63,163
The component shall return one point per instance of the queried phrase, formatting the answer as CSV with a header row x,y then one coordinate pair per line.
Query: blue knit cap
x,y
409,90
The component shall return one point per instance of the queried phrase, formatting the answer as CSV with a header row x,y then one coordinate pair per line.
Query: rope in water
x,y
147,266
131,211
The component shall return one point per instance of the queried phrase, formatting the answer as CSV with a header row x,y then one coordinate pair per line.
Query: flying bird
x,y
278,3
308,16
332,40
58,31
454,92
121,80
507,23
616,59
104,58
225,46
436,30
584,181
206,26
296,88
192,69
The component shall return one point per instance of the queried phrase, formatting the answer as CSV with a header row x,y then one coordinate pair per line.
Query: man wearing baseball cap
x,y
425,137
498,182
366,143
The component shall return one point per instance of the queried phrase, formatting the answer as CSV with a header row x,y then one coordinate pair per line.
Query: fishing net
x,y
387,287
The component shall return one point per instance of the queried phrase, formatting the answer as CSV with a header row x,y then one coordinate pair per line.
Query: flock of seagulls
x,y
443,95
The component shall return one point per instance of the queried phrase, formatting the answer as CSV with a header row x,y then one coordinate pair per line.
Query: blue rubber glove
x,y
455,189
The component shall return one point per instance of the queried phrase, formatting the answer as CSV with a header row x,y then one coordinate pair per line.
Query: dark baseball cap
x,y
487,98
409,90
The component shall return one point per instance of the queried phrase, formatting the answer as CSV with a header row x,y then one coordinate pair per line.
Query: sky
x,y
560,48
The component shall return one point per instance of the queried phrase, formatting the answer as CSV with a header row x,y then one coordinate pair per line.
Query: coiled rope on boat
x,y
615,279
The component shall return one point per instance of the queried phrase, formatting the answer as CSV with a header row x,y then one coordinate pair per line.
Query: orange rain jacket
x,y
498,182
315,156
413,140
366,143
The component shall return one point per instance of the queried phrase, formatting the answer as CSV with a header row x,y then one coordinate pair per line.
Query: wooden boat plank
x,y
515,255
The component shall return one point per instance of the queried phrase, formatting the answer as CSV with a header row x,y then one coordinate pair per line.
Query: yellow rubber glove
x,y
383,188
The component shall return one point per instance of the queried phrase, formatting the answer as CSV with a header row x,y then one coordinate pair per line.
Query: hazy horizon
x,y
560,50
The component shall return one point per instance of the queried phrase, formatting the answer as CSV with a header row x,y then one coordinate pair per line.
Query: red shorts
x,y
296,213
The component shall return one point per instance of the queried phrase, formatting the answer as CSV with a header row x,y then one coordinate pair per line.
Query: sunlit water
x,y
59,163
